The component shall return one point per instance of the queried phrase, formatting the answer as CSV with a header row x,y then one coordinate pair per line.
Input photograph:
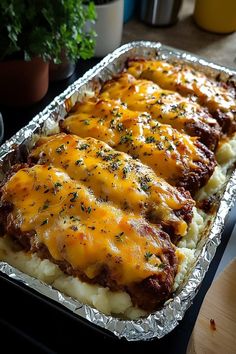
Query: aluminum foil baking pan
x,y
161,322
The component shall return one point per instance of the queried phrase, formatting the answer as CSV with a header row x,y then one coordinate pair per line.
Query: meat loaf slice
x,y
165,106
217,96
117,178
58,218
173,156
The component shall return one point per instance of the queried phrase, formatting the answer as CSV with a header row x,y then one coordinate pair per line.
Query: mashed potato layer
x,y
103,299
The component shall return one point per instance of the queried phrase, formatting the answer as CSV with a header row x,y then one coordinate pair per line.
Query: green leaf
x,y
46,28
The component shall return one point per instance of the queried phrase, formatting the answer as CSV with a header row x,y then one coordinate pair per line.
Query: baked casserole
x,y
110,210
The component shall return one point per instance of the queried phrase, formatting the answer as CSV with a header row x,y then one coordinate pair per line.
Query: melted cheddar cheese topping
x,y
168,152
167,107
185,79
115,177
77,228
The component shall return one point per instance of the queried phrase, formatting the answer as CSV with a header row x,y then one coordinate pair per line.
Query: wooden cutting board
x,y
215,328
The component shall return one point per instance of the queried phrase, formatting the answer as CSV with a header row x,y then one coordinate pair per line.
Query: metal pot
x,y
160,12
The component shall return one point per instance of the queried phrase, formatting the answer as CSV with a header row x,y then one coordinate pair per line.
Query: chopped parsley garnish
x,y
83,146
161,265
46,204
57,184
116,113
126,138
79,162
119,237
144,187
125,171
99,153
82,207
147,256
107,157
150,139
144,183
86,122
74,218
60,149
156,126
75,196
170,148
112,123
87,210
159,145
44,222
120,127
174,108
113,166
159,101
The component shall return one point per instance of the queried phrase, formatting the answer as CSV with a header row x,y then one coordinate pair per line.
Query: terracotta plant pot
x,y
61,71
23,82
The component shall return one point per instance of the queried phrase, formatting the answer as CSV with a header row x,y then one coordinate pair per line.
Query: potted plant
x,y
33,33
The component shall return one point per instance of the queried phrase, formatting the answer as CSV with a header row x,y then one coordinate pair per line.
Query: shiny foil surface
x,y
161,322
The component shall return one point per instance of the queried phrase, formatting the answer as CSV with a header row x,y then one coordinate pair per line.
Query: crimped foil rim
x,y
161,322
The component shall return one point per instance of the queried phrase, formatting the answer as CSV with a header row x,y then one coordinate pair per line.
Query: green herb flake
x,y
144,183
83,146
44,222
147,256
150,139
57,185
119,237
60,149
116,113
82,207
47,28
112,123
170,148
161,265
120,127
74,218
79,162
126,138
125,171
144,187
108,157
45,205
75,196
159,145
113,166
